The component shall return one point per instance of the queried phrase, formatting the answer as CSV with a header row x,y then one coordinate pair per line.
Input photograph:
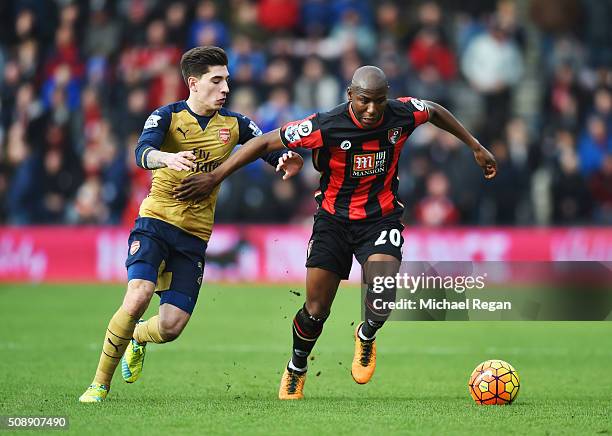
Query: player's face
x,y
211,89
368,105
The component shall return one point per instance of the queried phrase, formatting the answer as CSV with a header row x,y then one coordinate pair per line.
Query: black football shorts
x,y
334,242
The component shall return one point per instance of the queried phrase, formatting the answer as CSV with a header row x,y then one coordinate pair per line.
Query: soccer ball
x,y
494,382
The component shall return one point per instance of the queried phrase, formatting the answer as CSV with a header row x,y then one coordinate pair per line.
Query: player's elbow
x,y
140,155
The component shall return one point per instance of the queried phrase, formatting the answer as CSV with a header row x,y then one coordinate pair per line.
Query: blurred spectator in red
x,y
167,87
65,54
436,209
433,64
278,15
430,58
147,61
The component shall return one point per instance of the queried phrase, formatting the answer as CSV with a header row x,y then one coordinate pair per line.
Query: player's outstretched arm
x,y
201,185
442,118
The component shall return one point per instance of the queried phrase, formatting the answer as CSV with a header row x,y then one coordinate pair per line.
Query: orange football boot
x,y
364,360
292,385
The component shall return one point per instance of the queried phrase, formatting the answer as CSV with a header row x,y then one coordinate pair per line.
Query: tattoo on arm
x,y
153,159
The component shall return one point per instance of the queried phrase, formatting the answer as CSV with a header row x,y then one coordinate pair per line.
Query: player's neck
x,y
197,109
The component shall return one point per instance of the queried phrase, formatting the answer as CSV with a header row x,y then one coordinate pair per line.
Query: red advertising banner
x,y
276,253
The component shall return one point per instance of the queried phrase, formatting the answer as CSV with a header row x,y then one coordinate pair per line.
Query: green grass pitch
x,y
221,376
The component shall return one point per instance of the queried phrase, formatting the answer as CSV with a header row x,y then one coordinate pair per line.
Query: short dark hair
x,y
198,60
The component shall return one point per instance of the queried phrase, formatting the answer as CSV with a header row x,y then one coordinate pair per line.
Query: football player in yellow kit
x,y
168,242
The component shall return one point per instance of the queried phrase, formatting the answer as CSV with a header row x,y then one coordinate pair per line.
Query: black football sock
x,y
375,318
306,331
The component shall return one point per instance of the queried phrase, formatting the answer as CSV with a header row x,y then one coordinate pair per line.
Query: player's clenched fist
x,y
183,160
486,161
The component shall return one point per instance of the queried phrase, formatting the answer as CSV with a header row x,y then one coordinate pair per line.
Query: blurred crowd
x,y
531,78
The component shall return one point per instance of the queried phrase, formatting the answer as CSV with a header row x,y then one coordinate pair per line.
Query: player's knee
x,y
137,297
318,309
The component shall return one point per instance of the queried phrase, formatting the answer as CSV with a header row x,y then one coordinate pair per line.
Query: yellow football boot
x,y
132,361
364,360
292,385
95,393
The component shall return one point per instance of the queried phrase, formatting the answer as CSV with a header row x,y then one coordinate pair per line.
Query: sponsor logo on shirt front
x,y
369,164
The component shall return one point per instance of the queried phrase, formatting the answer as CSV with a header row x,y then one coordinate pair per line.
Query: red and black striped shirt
x,y
358,166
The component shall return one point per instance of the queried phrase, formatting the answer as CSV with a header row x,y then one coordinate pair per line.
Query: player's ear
x,y
349,93
192,82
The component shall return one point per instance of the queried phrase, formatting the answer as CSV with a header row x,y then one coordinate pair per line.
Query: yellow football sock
x,y
148,331
118,335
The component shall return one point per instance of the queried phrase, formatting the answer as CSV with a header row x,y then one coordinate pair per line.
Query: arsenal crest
x,y
394,134
224,135
134,247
